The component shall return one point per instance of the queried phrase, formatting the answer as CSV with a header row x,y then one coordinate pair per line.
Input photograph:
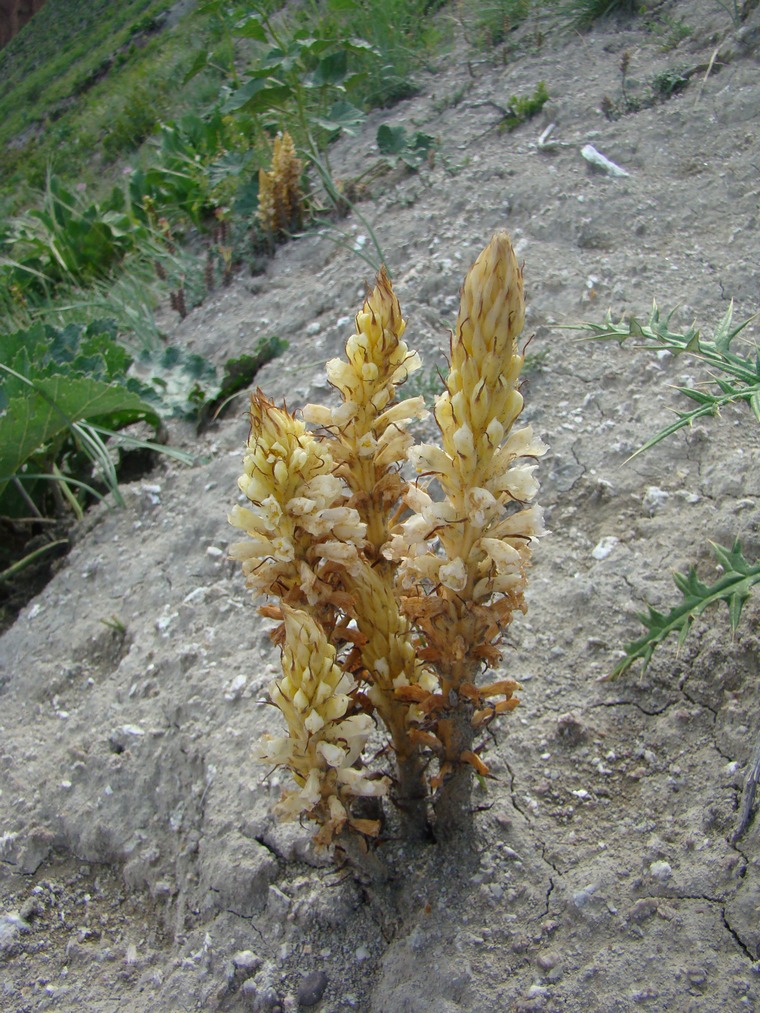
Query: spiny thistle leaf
x,y
733,587
741,375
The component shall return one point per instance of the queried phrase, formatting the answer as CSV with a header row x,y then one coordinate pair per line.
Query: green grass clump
x,y
523,108
488,24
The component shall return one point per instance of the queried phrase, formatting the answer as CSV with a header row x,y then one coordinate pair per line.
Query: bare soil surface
x,y
140,868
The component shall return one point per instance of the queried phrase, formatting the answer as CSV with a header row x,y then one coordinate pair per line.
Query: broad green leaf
x,y
51,406
741,373
258,95
251,28
239,373
342,117
331,69
391,140
358,45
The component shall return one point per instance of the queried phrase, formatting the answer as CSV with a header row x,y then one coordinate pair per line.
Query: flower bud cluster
x,y
324,740
297,516
369,427
475,540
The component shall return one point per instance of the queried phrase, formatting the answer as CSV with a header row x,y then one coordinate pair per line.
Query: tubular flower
x,y
297,515
324,740
473,543
369,430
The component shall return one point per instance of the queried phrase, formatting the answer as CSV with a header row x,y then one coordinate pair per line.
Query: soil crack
x,y
737,938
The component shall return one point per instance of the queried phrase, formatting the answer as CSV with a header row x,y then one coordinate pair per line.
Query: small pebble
x,y
312,988
661,871
546,961
583,897
654,498
643,909
604,547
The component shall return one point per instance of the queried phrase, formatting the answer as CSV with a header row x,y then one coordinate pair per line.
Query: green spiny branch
x,y
733,587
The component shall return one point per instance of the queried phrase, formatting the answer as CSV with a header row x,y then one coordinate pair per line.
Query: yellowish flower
x,y
324,740
463,558
369,430
297,514
280,206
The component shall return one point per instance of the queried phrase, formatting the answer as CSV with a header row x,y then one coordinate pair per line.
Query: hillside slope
x,y
139,861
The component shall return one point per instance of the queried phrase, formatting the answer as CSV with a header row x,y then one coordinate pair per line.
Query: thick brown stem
x,y
412,798
453,803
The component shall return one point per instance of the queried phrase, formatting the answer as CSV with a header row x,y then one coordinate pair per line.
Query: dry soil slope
x,y
139,861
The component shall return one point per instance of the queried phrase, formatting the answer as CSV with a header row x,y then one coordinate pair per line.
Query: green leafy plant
x,y
670,82
61,393
488,24
734,377
670,31
525,107
583,13
66,241
413,150
135,121
740,379
300,81
737,10
401,32
69,398
200,163
662,87
66,397
73,260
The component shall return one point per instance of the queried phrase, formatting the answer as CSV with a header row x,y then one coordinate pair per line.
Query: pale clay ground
x,y
139,864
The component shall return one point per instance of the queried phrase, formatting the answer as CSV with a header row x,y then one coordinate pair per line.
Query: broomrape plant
x,y
392,597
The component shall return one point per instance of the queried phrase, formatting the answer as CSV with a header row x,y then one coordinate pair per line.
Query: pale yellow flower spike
x,y
280,205
323,742
484,470
371,437
370,442
297,513
482,401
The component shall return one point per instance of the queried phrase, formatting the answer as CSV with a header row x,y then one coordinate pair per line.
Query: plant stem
x,y
19,565
412,791
453,804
